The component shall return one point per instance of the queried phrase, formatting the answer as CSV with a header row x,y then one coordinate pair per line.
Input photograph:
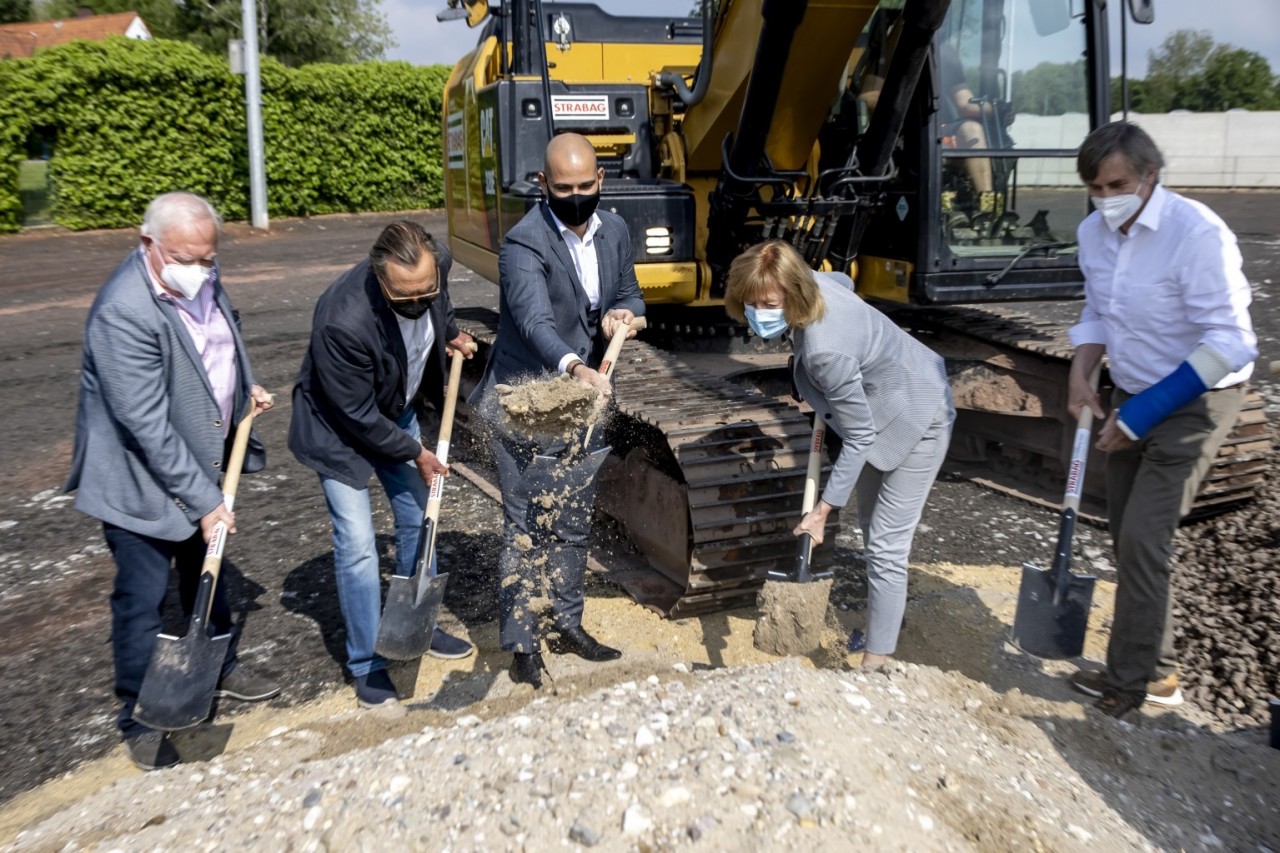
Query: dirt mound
x,y
797,619
780,755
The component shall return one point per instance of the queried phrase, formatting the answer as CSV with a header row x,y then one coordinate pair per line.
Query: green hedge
x,y
130,119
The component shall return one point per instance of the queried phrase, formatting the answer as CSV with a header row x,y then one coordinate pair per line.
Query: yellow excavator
x,y
879,138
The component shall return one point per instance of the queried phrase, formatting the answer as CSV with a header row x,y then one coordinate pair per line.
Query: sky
x,y
1250,24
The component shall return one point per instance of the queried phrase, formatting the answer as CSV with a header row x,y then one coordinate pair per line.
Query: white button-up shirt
x,y
419,337
585,263
1154,295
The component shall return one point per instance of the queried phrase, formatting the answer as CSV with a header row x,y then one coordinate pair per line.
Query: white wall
x,y
1232,149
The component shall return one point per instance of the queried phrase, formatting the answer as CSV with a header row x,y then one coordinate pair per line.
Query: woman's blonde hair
x,y
774,266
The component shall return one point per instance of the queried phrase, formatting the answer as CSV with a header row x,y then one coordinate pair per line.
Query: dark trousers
x,y
544,548
1150,487
137,602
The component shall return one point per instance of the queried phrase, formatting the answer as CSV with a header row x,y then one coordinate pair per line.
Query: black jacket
x,y
350,392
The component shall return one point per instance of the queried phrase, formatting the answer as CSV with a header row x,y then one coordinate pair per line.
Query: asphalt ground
x,y
56,706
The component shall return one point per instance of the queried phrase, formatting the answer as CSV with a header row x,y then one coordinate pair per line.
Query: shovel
x,y
413,602
177,690
800,572
549,474
1053,605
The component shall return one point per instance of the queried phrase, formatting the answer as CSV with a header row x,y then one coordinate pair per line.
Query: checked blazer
x,y
871,382
543,310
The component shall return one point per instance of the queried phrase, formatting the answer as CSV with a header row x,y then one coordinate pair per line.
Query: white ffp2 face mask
x,y
187,279
1119,209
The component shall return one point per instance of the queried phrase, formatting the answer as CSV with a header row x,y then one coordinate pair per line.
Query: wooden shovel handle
x,y
446,431
230,482
615,343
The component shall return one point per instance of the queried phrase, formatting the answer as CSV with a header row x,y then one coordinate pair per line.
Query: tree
x,y
1190,71
1051,88
15,11
296,32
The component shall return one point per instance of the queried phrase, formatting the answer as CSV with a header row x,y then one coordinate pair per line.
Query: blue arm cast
x,y
1140,413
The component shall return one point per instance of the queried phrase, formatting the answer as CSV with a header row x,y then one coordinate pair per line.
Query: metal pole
x,y
253,117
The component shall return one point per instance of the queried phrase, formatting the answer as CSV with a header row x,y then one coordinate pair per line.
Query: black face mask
x,y
411,309
573,210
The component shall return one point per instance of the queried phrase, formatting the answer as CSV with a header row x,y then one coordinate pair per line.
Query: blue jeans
x,y
355,551
143,564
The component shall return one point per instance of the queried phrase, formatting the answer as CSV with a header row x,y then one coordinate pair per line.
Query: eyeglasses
x,y
426,298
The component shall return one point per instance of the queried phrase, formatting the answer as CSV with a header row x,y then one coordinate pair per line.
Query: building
x,y
18,40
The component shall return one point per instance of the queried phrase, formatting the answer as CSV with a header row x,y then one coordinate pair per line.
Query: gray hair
x,y
1118,137
403,242
170,208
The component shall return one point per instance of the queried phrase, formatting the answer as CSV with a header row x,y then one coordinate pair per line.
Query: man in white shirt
x,y
567,282
1168,304
376,362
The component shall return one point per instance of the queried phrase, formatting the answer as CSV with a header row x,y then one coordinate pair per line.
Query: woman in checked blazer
x,y
882,392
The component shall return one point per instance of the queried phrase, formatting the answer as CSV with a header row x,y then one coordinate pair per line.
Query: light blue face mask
x,y
768,323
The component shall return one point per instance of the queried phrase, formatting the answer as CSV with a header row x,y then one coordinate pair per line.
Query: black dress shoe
x,y
582,644
527,669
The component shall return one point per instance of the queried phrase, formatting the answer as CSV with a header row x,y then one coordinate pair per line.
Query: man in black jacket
x,y
375,363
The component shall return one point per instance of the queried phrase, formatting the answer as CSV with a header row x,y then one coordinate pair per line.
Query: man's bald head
x,y
571,167
569,152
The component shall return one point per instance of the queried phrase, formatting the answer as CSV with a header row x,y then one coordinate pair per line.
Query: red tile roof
x,y
25,38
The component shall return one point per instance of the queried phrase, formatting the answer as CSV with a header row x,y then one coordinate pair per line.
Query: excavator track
x,y
1009,375
707,474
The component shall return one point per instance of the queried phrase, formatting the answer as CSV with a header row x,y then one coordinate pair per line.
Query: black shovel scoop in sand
x,y
413,602
177,689
1053,605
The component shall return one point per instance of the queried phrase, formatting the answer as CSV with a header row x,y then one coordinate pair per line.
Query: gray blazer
x,y
542,310
875,385
149,437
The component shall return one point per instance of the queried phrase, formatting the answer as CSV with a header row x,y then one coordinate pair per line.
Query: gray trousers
x,y
1150,487
890,504
544,548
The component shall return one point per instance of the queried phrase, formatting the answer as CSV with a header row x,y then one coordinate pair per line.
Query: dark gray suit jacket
x,y
149,444
542,311
879,388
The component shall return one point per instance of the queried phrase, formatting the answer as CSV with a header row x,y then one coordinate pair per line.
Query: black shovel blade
x,y
1047,629
177,690
554,475
409,616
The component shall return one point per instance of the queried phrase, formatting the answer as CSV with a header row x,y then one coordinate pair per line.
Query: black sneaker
x,y
151,750
375,690
1118,705
247,687
449,647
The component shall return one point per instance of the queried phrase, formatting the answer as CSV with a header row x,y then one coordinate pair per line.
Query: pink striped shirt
x,y
211,334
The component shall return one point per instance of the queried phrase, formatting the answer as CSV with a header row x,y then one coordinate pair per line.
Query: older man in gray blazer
x,y
164,376
567,282
881,392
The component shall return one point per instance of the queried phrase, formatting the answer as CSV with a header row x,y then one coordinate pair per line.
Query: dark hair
x,y
1118,137
403,242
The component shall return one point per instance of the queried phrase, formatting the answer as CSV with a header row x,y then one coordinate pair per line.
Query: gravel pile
x,y
1227,607
780,756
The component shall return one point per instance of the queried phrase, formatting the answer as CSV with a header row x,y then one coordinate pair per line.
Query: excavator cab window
x,y
1012,108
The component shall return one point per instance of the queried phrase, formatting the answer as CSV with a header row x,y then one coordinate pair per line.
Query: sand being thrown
x,y
557,407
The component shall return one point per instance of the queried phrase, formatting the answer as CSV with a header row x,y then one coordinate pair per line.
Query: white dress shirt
x,y
1154,295
419,337
586,264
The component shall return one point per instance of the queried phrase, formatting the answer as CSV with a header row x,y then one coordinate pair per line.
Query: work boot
x,y
150,750
449,647
527,669
582,644
375,690
1093,682
244,685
